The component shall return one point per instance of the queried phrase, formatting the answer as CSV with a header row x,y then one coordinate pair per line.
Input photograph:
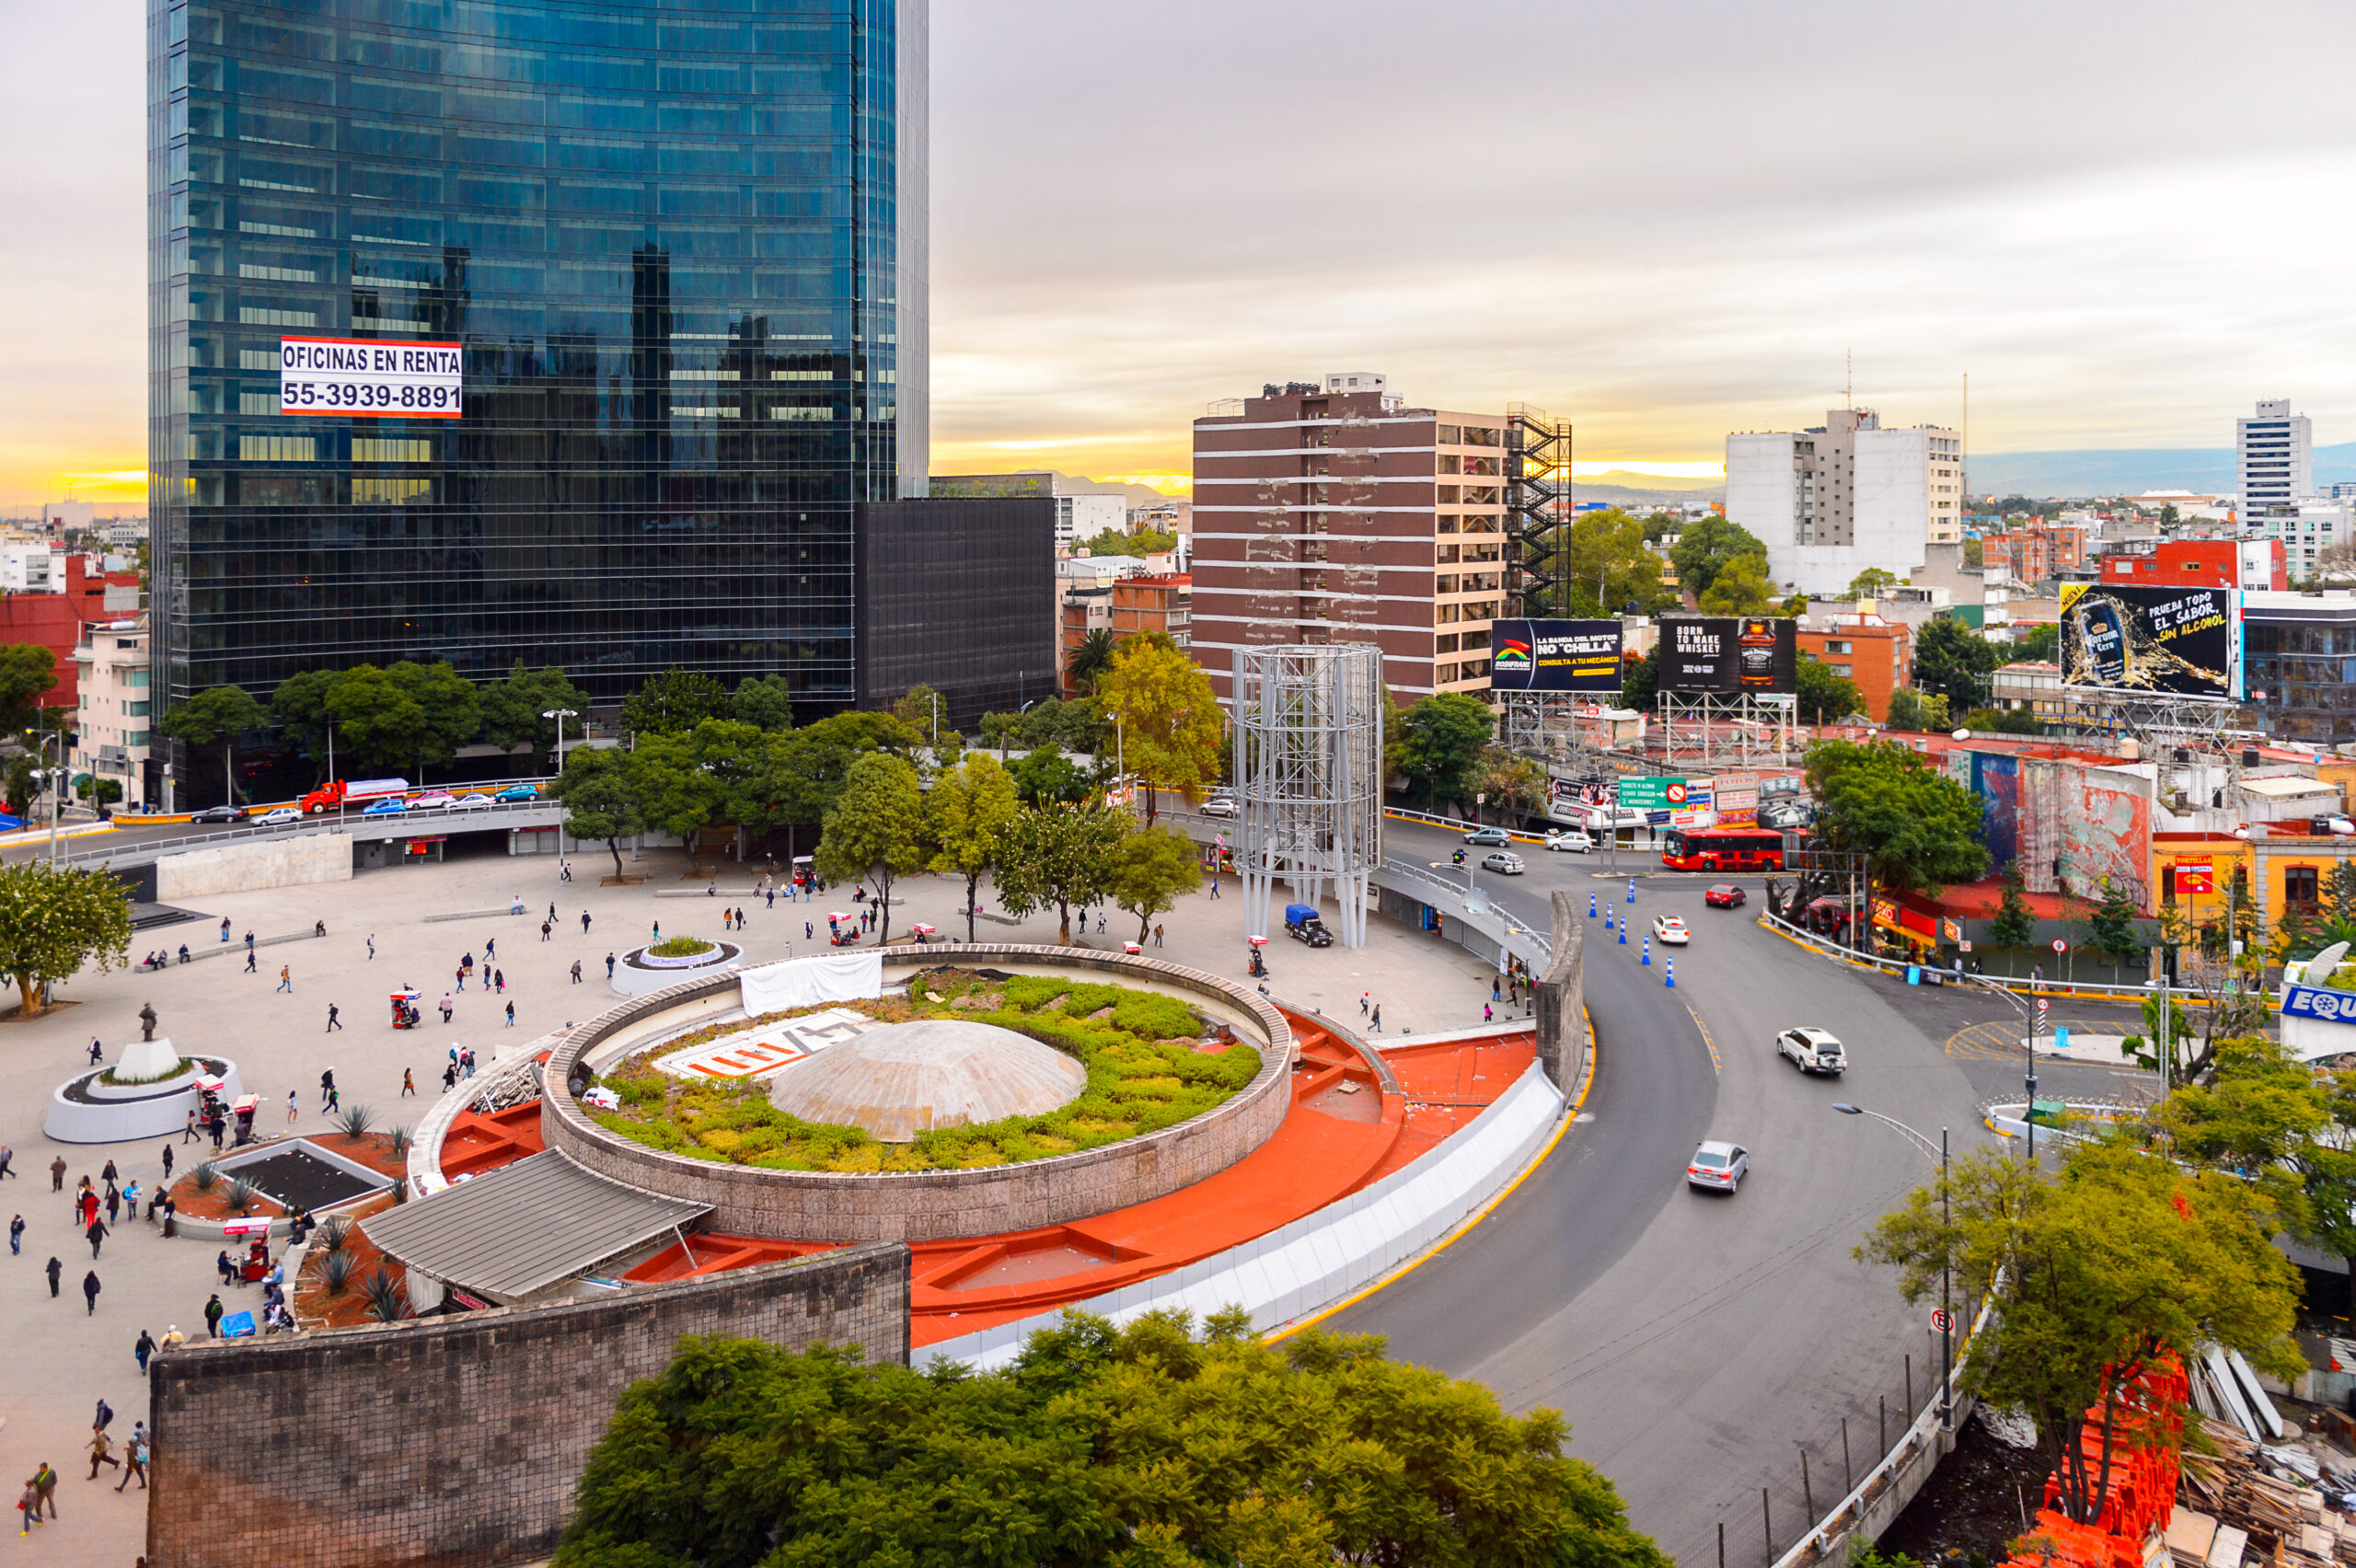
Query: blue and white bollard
x,y
1631,889
1623,933
1672,974
1606,919
1648,952
1590,906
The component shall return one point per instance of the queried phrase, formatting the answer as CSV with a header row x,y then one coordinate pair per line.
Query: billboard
x,y
2122,636
1554,655
1728,654
370,375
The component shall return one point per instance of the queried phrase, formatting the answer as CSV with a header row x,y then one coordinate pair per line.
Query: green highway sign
x,y
1652,794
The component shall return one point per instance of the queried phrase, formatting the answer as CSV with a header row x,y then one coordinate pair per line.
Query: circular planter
x,y
935,1204
641,974
84,1111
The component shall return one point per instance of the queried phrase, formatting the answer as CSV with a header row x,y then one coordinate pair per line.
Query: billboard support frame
x,y
1740,728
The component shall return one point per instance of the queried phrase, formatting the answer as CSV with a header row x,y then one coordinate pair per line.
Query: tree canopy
x,y
1918,829
1141,1447
511,709
1871,582
1740,588
1171,732
2041,642
1825,697
674,702
216,715
1054,856
875,832
1152,871
1955,661
1606,563
405,716
28,672
600,799
766,702
1091,659
54,919
1910,709
1119,542
968,811
1440,740
1706,547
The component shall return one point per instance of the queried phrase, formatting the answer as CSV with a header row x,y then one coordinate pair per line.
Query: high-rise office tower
x,y
2274,459
573,330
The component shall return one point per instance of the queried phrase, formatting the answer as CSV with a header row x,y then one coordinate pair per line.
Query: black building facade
x,y
683,249
958,594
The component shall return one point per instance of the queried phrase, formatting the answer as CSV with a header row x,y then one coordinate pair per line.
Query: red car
x,y
1725,895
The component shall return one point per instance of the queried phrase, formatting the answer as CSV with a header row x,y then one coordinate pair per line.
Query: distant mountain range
x,y
2205,471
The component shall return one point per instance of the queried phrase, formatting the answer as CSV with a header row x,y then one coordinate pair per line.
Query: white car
x,y
431,801
1812,1051
1504,862
471,803
1570,841
281,817
1671,931
1218,806
1718,1165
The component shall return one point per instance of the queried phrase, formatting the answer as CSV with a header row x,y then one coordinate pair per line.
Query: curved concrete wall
x,y
936,1204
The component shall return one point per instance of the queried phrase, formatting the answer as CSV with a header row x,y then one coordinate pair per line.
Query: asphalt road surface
x,y
1698,1342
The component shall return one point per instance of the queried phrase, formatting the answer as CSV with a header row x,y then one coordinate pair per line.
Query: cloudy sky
x,y
1665,221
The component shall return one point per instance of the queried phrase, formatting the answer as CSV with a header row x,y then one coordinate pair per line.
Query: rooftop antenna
x,y
1849,378
1963,458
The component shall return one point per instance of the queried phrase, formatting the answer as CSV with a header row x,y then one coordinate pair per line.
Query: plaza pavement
x,y
61,1360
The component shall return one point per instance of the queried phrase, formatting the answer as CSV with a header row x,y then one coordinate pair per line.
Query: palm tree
x,y
1091,659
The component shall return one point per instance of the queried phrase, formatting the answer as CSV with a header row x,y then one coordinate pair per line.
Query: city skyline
x,y
1615,218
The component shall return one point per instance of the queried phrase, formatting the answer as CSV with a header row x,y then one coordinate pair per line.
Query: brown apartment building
x,y
1335,513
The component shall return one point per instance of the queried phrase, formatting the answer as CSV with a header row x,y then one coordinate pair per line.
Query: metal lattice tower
x,y
1537,504
1308,739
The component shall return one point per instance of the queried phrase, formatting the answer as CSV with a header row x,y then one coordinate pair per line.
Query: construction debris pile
x,y
2281,1505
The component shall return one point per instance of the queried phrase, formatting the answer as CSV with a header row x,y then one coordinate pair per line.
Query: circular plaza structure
x,y
899,1080
642,972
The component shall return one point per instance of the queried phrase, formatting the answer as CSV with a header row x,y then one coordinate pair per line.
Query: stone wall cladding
x,y
454,1440
250,868
941,1204
1558,999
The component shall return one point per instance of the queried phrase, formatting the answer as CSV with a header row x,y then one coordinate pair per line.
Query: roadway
x,y
1693,1339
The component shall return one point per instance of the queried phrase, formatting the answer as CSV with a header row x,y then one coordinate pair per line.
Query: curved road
x,y
1696,1342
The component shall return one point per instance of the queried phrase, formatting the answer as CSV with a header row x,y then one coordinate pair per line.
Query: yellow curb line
x,y
1715,1066
1570,1114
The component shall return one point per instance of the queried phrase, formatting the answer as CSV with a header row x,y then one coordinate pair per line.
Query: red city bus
x,y
1723,849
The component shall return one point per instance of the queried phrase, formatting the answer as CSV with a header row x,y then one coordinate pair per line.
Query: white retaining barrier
x,y
1321,1257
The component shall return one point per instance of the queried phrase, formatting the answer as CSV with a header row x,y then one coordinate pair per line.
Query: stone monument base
x,y
85,1110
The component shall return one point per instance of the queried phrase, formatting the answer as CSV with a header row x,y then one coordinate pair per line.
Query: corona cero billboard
x,y
1554,655
1728,654
2181,642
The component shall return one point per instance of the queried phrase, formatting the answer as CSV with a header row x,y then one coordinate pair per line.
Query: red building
x,y
54,621
2034,552
2200,564
1875,654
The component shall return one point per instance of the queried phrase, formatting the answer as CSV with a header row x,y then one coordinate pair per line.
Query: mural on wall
x,y
2104,824
2068,824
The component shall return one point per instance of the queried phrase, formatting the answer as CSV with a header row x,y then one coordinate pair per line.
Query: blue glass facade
x,y
684,248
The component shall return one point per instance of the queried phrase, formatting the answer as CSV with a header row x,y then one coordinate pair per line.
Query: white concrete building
x,y
2308,528
32,568
1833,501
1085,516
2274,458
111,667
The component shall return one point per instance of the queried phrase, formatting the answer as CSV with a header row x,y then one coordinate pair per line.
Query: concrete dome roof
x,y
905,1078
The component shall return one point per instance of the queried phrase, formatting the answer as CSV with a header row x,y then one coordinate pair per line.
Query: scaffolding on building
x,y
1538,505
1307,769
1742,729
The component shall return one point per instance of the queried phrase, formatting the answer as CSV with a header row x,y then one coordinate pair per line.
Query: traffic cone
x,y
1672,974
1648,952
1590,906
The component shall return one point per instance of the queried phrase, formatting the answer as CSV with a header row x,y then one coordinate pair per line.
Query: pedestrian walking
x,y
447,1005
213,1313
45,1482
1157,934
167,1160
772,898
57,1168
1493,989
609,966
408,1080
584,922
287,978
806,935
334,1022
545,928
1378,1018
372,947
491,948
108,1173
114,1205
462,977
335,1100
1486,1014
103,1417
225,928
97,1231
249,962
552,911
100,1444
292,1111
130,1200
90,1296
511,1015
219,1128
188,1134
449,1077
327,1087
98,1053
7,1153
658,932
1366,1000
576,972
144,1349
499,976
17,1236
563,871
249,941
27,1509
137,1454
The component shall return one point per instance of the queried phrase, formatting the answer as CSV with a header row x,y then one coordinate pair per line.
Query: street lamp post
x,y
1947,1219
2029,1044
560,715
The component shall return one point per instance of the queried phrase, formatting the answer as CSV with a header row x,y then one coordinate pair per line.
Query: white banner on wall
x,y
369,376
805,981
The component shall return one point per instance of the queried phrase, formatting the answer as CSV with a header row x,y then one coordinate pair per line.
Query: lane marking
x,y
1715,1066
1570,1116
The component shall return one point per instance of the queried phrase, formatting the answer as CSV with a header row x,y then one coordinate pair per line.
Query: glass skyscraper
x,y
684,248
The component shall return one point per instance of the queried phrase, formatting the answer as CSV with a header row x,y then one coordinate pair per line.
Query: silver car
x,y
1503,862
1718,1166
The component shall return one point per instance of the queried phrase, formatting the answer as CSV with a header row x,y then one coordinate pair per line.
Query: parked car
x,y
1486,837
1812,1051
220,813
1502,862
518,793
1302,924
1671,931
388,808
1570,841
1218,806
432,801
280,816
471,803
1723,895
1718,1165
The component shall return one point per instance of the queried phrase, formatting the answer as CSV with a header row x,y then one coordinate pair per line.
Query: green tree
x,y
800,773
2117,1263
406,716
1118,542
1171,728
691,780
673,703
599,794
876,831
2110,926
1640,686
1140,1447
1606,563
2002,722
921,708
1872,584
1047,775
1974,555
216,715
1955,661
1441,738
2252,1119
20,787
2327,1167
28,672
1825,697
54,920
1918,829
1153,868
1512,782
1910,709
1741,588
1707,547
1089,660
1055,855
2041,644
968,811
2015,926
764,701
511,709
299,709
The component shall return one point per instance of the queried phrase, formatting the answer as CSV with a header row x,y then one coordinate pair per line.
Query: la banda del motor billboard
x,y
1554,655
2181,642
